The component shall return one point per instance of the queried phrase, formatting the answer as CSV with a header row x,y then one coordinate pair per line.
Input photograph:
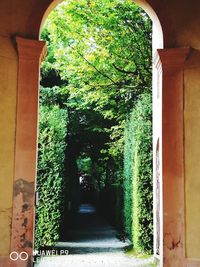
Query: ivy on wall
x,y
138,184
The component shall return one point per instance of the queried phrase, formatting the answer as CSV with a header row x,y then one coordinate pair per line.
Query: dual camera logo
x,y
23,256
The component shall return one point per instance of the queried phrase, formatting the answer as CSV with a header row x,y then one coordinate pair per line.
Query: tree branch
x,y
124,71
100,72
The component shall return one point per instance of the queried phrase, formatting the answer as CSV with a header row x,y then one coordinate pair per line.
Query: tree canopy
x,y
101,51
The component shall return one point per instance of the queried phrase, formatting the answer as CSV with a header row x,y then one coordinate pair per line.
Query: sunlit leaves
x,y
101,47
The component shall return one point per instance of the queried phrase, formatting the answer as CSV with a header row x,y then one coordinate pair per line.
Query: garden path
x,y
92,242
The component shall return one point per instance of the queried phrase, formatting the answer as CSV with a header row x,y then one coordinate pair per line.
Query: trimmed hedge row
x,y
50,180
138,184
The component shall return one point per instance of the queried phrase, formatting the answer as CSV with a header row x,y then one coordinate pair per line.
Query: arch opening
x,y
157,32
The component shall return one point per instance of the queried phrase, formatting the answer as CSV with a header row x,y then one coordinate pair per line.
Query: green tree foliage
x,y
99,61
103,50
50,181
138,204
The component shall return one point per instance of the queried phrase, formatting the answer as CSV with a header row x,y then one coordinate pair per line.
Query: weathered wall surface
x,y
180,21
8,80
192,154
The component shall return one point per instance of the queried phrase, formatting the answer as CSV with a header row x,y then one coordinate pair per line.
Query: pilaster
x,y
30,53
172,62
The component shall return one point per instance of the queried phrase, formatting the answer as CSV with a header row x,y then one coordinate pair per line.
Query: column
x,y
30,53
172,61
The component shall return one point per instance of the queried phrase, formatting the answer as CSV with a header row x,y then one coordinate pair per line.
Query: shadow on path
x,y
88,232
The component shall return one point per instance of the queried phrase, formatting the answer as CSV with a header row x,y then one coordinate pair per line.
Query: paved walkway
x,y
92,242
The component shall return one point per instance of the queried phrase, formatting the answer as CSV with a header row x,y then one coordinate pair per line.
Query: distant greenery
x,y
98,70
50,181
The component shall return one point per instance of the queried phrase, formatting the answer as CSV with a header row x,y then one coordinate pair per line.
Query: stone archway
x,y
168,127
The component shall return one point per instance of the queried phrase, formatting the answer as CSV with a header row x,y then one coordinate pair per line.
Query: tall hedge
x,y
50,180
138,184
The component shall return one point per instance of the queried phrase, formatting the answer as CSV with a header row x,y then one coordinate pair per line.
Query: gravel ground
x,y
91,242
113,259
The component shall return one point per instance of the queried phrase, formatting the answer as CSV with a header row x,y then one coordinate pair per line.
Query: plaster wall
x,y
180,21
8,80
192,154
